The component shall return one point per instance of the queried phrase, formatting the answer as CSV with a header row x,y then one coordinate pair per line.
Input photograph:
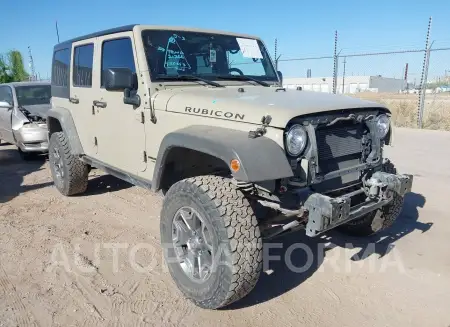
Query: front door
x,y
119,127
82,81
6,133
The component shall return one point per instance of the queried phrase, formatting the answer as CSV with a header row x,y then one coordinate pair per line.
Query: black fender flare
x,y
261,158
64,117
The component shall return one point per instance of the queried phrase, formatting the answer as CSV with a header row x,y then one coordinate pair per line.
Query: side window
x,y
6,94
117,53
60,68
82,65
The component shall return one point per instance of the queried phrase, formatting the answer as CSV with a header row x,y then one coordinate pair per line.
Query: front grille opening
x,y
339,146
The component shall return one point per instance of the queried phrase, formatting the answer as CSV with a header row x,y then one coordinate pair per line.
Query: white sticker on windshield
x,y
249,48
212,55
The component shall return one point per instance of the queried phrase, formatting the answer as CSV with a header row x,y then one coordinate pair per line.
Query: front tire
x,y
230,241
380,219
70,175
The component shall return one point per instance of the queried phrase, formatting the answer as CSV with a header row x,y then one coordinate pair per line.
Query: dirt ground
x,y
95,260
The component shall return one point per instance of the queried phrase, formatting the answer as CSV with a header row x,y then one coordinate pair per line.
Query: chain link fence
x,y
414,83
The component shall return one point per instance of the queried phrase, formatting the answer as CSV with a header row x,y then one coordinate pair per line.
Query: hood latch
x,y
260,131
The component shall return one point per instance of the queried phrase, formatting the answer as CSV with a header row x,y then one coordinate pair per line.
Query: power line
x,y
363,54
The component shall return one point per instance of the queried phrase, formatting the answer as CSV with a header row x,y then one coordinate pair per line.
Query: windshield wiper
x,y
190,78
243,78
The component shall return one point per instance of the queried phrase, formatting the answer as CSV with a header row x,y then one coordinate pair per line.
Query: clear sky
x,y
303,28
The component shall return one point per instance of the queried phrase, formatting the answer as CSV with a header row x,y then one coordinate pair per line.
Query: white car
x,y
23,109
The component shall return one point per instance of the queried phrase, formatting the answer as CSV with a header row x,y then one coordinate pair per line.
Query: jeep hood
x,y
251,104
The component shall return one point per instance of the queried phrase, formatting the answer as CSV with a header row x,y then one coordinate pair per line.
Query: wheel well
x,y
183,163
53,125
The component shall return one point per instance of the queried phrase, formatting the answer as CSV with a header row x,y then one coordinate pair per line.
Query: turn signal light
x,y
235,165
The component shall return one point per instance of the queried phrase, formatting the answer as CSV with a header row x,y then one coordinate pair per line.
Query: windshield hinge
x,y
260,131
145,156
152,110
142,117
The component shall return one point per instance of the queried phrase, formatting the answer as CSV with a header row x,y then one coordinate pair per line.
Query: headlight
x,y
382,126
296,140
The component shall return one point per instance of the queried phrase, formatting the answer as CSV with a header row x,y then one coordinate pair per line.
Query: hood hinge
x,y
142,117
260,131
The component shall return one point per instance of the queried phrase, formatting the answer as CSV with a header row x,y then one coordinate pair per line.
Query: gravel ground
x,y
95,260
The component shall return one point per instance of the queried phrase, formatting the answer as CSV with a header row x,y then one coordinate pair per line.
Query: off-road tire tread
x,y
78,170
238,224
389,213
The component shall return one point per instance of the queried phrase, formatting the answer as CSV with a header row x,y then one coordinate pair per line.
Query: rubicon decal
x,y
214,113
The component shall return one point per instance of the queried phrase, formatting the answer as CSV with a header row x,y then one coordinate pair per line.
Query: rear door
x,y
82,79
119,127
5,114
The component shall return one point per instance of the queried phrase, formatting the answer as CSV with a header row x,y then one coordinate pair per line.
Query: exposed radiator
x,y
339,145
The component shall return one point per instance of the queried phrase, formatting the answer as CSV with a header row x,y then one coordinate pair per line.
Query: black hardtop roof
x,y
68,43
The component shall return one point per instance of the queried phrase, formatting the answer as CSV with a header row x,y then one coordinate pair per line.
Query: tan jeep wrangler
x,y
202,116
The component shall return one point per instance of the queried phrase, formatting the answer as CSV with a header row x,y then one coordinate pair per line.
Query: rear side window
x,y
60,68
82,65
117,53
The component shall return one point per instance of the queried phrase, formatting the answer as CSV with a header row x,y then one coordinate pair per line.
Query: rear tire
x,y
232,233
377,220
70,175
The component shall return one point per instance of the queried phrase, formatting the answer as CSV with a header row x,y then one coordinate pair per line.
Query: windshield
x,y
33,95
173,53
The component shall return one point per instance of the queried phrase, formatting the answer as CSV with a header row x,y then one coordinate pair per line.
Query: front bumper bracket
x,y
325,213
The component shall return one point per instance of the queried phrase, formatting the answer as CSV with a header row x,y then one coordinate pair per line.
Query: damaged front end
x,y
339,176
29,128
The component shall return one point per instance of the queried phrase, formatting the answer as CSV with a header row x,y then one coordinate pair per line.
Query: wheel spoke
x,y
204,264
206,237
199,267
193,245
192,262
181,233
188,217
58,163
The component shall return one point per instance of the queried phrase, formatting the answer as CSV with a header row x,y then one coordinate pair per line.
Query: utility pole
x,y
277,58
57,31
31,65
335,70
343,76
406,76
423,81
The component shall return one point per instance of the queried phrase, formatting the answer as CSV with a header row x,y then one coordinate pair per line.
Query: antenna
x,y
31,64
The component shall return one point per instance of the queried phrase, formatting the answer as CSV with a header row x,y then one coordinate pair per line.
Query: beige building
x,y
352,84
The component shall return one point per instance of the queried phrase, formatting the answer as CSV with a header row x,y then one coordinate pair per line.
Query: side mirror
x,y
280,77
5,105
119,79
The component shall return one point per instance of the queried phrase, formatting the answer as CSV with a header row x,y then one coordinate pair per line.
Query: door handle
x,y
74,100
99,104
